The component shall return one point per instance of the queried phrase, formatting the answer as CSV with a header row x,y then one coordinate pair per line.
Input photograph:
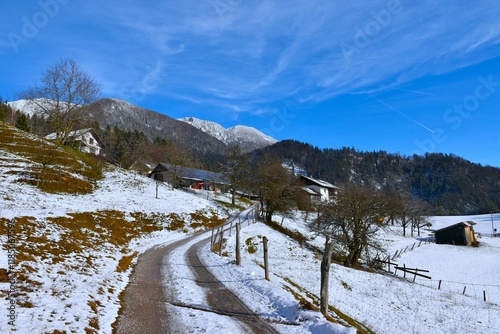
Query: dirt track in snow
x,y
144,301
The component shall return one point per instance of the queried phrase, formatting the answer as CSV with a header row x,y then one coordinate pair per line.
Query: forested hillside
x,y
450,184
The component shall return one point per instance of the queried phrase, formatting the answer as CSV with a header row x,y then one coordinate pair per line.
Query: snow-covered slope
x,y
385,303
78,290
247,137
72,252
29,107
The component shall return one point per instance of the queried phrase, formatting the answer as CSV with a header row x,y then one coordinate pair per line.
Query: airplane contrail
x,y
401,113
416,91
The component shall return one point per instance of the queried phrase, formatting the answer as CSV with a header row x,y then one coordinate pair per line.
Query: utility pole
x,y
492,226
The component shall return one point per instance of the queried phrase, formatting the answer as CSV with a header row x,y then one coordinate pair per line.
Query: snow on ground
x,y
385,303
267,299
61,300
176,273
119,190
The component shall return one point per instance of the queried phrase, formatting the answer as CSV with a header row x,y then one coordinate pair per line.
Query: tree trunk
x,y
349,259
325,275
269,216
266,259
238,254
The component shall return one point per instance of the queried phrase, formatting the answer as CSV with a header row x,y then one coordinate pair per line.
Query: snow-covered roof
x,y
196,174
468,223
72,134
310,191
320,183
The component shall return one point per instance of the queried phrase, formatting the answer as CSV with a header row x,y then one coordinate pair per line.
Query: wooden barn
x,y
188,177
458,234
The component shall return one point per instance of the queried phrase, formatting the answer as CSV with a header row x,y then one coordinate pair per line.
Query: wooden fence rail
x,y
414,271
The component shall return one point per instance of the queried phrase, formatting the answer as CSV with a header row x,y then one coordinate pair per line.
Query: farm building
x,y
86,140
188,177
458,234
318,190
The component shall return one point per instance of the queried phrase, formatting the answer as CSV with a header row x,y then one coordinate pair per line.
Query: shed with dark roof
x,y
458,234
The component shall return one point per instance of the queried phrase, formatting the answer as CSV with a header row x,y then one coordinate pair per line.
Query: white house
x,y
86,140
317,189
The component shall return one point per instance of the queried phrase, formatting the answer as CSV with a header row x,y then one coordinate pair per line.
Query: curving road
x,y
145,303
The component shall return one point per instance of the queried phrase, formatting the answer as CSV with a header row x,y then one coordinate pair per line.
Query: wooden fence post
x,y
439,286
465,288
266,263
212,241
220,242
238,254
484,295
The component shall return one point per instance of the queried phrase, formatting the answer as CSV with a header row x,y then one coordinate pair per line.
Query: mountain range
x,y
246,137
450,184
199,136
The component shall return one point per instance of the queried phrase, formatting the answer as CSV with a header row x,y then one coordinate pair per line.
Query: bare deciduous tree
x,y
348,223
275,190
235,169
62,96
352,220
178,158
408,211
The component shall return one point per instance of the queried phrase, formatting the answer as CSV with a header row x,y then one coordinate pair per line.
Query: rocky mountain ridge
x,y
204,137
248,138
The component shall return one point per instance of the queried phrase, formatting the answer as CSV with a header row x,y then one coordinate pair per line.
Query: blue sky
x,y
401,76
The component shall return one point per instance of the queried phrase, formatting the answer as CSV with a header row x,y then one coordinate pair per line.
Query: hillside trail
x,y
145,299
220,299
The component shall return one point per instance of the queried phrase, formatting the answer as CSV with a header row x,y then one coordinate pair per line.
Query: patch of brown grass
x,y
79,232
94,323
51,167
4,276
125,262
94,305
205,219
252,247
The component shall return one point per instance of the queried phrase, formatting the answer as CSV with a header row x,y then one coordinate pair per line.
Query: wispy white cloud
x,y
253,53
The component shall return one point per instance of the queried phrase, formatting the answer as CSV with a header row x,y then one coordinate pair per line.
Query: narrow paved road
x,y
143,309
221,299
144,302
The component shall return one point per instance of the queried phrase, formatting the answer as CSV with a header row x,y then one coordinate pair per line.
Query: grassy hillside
x,y
50,167
76,227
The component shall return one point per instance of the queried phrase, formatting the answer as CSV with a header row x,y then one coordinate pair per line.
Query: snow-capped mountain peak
x,y
247,137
